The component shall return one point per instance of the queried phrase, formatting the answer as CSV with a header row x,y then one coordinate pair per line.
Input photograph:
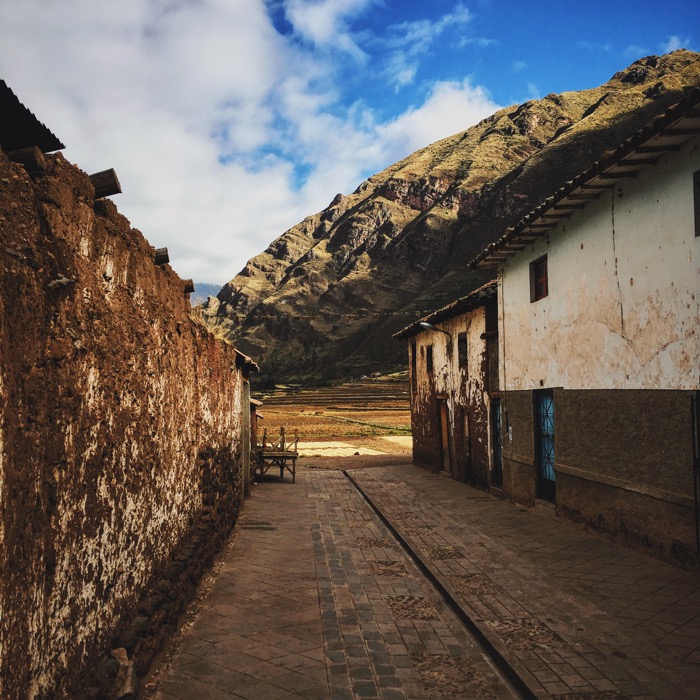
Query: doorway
x,y
444,432
467,446
544,445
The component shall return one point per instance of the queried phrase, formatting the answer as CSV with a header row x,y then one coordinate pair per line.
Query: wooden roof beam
x,y
569,206
638,161
616,176
161,256
660,148
692,131
105,183
31,158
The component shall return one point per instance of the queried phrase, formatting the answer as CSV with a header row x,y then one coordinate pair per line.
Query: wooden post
x,y
245,438
161,256
283,461
105,183
31,158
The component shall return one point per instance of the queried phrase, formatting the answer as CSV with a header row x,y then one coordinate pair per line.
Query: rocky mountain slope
x,y
202,290
323,300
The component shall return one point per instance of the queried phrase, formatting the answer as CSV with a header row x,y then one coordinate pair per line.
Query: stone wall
x,y
120,453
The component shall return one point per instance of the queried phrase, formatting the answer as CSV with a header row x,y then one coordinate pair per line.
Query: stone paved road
x,y
317,600
573,614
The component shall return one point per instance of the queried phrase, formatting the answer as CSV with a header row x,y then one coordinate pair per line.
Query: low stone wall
x,y
120,452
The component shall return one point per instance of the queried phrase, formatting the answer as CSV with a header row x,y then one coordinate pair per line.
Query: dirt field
x,y
364,423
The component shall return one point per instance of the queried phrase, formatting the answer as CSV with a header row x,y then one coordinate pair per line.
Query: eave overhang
x,y
479,297
19,128
665,134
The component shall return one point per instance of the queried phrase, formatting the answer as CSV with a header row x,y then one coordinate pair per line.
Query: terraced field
x,y
371,408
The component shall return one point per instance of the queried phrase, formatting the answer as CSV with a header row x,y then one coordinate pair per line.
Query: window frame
x,y
539,278
463,351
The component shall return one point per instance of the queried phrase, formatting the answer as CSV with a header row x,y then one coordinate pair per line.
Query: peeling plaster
x,y
622,310
118,416
463,390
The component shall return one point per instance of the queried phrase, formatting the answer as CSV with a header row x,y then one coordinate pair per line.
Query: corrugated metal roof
x,y
665,134
471,301
19,128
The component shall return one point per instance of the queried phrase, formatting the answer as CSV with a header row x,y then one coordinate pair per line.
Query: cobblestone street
x,y
317,598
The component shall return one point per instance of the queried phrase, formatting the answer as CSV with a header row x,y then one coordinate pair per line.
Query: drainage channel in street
x,y
511,676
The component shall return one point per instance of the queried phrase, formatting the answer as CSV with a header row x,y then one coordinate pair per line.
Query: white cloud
x,y
533,92
636,51
410,40
142,87
324,22
450,108
594,46
478,41
209,115
674,43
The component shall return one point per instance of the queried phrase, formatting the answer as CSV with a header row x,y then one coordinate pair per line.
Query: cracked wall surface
x,y
618,342
463,389
623,303
120,425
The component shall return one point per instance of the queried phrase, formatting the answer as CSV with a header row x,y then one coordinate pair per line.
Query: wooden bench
x,y
279,453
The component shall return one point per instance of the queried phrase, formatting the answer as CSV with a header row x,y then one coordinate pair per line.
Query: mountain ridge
x,y
322,301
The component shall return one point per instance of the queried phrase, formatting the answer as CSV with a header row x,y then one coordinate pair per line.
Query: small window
x,y
462,351
539,282
696,200
429,359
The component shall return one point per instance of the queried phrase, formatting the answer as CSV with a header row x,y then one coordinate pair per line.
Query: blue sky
x,y
228,121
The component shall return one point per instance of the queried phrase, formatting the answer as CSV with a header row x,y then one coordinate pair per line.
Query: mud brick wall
x,y
120,424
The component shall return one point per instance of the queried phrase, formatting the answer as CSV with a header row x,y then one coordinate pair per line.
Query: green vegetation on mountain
x,y
323,300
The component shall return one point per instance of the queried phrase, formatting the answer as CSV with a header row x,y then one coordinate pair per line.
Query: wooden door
x,y
444,415
467,447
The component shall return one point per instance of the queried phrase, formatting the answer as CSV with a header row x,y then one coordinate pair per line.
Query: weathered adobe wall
x,y
623,304
119,441
465,391
517,425
424,418
617,339
629,474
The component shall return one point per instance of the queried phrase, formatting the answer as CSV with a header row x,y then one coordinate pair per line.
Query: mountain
x,y
202,290
324,298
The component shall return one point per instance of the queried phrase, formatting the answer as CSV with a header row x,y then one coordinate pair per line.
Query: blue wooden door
x,y
544,445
